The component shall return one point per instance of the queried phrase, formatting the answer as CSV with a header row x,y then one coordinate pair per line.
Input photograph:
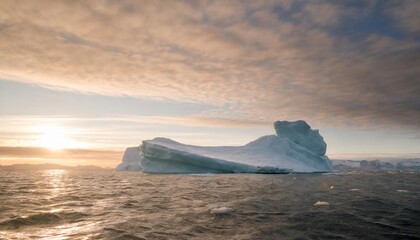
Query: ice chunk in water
x,y
321,203
222,210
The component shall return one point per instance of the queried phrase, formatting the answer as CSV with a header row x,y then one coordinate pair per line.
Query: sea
x,y
105,204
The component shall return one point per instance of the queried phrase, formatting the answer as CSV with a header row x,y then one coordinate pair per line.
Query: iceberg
x,y
131,160
295,148
301,133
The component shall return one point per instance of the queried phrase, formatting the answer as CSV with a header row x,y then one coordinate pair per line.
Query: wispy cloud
x,y
118,132
212,122
13,155
25,121
261,61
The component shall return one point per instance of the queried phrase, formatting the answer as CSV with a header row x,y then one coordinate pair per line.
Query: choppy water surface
x,y
59,204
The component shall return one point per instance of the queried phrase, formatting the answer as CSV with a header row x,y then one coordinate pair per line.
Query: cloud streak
x,y
258,61
108,158
118,132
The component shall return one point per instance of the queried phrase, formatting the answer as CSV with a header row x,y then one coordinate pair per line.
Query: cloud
x,y
107,158
213,122
22,122
118,132
256,61
407,16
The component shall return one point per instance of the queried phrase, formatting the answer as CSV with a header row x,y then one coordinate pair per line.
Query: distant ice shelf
x,y
295,148
410,164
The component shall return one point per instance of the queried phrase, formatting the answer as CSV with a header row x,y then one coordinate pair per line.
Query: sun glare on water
x,y
56,138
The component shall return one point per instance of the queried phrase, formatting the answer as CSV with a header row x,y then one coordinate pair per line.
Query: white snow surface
x,y
268,154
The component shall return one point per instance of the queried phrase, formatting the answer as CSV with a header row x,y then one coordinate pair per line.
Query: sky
x,y
82,80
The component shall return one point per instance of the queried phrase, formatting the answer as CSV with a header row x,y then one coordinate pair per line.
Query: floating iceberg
x,y
295,148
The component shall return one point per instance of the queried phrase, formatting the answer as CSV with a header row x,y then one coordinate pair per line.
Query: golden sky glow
x,y
56,138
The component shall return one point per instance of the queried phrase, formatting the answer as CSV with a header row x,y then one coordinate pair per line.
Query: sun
x,y
55,138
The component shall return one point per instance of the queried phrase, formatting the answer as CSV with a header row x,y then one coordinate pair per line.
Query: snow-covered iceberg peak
x,y
301,133
296,148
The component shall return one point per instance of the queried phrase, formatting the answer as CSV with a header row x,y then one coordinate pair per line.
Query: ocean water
x,y
62,204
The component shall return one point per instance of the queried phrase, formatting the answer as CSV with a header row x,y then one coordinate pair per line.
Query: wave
x,y
41,219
